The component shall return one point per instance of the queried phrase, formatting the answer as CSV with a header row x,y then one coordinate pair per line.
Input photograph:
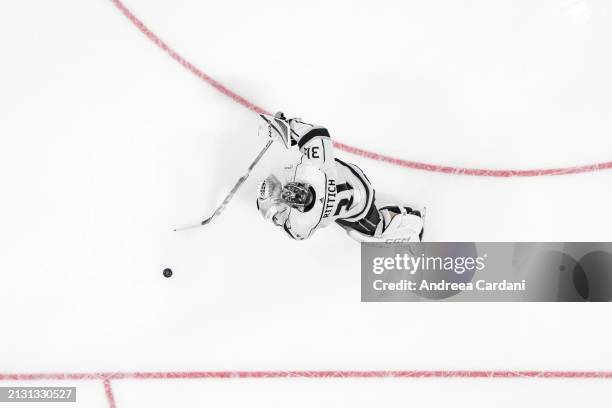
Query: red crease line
x,y
342,146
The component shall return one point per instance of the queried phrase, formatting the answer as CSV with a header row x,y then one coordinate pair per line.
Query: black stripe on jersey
x,y
343,187
311,135
364,185
323,147
372,218
322,209
362,172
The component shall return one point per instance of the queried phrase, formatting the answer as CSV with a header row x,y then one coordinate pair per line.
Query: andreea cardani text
x,y
479,285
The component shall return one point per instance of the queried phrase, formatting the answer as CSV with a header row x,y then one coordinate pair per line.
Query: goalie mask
x,y
269,201
274,200
298,195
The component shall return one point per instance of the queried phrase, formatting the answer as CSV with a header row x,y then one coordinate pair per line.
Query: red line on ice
x,y
347,148
143,375
110,397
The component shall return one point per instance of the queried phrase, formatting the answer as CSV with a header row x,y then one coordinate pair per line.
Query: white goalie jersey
x,y
336,190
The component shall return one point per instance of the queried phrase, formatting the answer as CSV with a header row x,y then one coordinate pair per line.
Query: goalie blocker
x,y
320,190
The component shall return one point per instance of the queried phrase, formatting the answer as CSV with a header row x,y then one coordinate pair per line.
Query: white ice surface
x,y
106,144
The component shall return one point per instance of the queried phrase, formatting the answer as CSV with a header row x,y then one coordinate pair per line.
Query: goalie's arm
x,y
314,142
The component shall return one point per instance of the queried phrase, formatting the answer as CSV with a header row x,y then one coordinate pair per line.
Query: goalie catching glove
x,y
282,129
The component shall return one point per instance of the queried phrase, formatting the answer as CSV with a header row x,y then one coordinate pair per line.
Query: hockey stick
x,y
238,184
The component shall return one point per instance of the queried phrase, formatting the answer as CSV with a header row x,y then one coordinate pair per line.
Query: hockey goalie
x,y
320,190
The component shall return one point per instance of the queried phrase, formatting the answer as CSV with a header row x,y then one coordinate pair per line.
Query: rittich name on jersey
x,y
331,197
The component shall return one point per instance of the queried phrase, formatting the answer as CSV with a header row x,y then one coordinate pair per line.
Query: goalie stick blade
x,y
230,195
199,224
191,226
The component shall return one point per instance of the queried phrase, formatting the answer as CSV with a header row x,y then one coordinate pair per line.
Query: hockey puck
x,y
167,272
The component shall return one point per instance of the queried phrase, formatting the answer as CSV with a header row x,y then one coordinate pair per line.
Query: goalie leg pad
x,y
397,224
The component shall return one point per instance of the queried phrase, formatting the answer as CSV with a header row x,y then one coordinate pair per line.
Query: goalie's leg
x,y
389,224
402,223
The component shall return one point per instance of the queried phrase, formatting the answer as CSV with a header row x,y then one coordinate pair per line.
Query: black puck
x,y
167,272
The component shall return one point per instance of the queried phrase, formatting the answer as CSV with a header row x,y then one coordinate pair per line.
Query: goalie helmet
x,y
298,195
269,202
274,200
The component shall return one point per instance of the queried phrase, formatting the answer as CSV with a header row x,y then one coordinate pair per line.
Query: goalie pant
x,y
342,192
